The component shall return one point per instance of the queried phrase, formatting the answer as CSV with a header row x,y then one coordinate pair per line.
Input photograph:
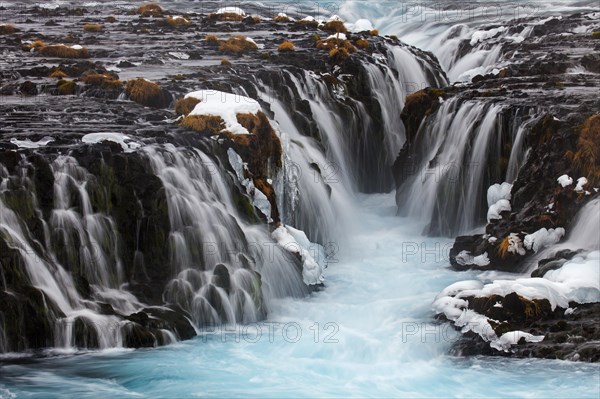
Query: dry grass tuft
x,y
225,62
227,16
362,44
62,51
110,19
332,44
286,46
176,22
503,246
184,106
93,27
587,156
335,27
147,93
207,124
212,40
7,29
308,24
282,18
374,32
237,45
104,80
339,55
66,87
150,10
58,74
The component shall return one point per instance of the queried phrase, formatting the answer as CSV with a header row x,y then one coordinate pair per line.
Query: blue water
x,y
376,338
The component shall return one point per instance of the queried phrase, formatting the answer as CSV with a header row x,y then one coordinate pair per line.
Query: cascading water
x,y
461,151
368,333
216,257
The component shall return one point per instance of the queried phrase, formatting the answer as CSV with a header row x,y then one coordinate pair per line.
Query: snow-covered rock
x,y
543,238
226,106
295,241
231,10
498,192
495,210
565,180
126,142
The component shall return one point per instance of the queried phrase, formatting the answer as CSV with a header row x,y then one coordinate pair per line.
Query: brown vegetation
x,y
66,87
339,55
184,106
285,46
335,26
147,93
587,156
362,44
105,80
62,51
150,10
58,74
226,16
281,18
331,44
7,29
179,21
225,62
93,27
307,23
374,32
237,45
207,124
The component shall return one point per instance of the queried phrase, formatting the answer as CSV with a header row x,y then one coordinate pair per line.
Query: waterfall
x,y
220,262
116,237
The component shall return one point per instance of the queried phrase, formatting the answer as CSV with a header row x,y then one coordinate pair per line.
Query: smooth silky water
x,y
370,332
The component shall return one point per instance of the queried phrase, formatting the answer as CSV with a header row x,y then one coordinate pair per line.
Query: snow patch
x,y
495,210
295,241
481,35
126,142
361,25
226,106
464,258
512,338
339,35
498,192
180,55
582,181
231,10
543,238
565,180
32,144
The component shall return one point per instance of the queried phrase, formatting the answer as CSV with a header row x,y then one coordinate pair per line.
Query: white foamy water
x,y
369,333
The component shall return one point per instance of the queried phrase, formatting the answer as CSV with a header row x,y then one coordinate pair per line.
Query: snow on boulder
x,y
361,25
543,238
582,181
498,192
32,144
464,258
226,106
126,142
515,245
495,210
565,180
481,35
295,241
340,36
231,10
512,338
